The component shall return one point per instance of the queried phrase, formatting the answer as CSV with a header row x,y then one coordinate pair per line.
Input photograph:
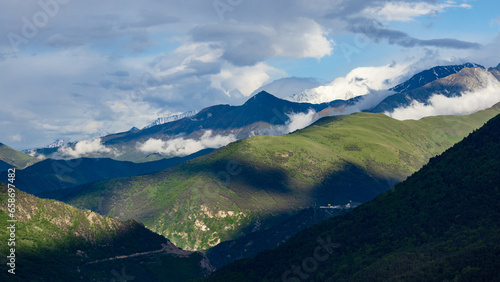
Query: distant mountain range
x,y
441,224
49,149
265,114
261,114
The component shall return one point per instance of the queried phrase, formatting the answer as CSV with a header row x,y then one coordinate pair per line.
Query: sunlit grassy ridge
x,y
335,160
55,241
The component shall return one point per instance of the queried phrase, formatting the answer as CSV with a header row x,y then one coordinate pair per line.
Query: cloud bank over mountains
x,y
183,147
86,148
368,82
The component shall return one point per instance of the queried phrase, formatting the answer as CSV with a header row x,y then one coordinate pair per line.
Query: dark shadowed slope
x,y
4,166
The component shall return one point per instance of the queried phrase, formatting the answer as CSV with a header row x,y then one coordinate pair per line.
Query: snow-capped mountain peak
x,y
162,120
56,144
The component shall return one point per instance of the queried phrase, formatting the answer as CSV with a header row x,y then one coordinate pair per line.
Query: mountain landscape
x,y
265,114
259,115
222,195
233,140
162,203
438,225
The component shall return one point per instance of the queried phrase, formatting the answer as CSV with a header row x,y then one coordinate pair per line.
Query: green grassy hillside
x,y
223,195
56,242
441,224
15,158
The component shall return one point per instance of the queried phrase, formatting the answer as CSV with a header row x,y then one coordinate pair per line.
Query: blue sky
x,y
71,68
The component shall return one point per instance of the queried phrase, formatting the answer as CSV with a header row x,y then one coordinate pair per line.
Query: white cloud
x,y
358,82
86,127
34,154
127,109
303,38
295,122
488,56
246,45
468,103
300,121
182,147
243,80
85,148
407,11
16,138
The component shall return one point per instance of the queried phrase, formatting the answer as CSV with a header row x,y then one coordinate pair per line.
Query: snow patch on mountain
x,y
56,144
162,120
